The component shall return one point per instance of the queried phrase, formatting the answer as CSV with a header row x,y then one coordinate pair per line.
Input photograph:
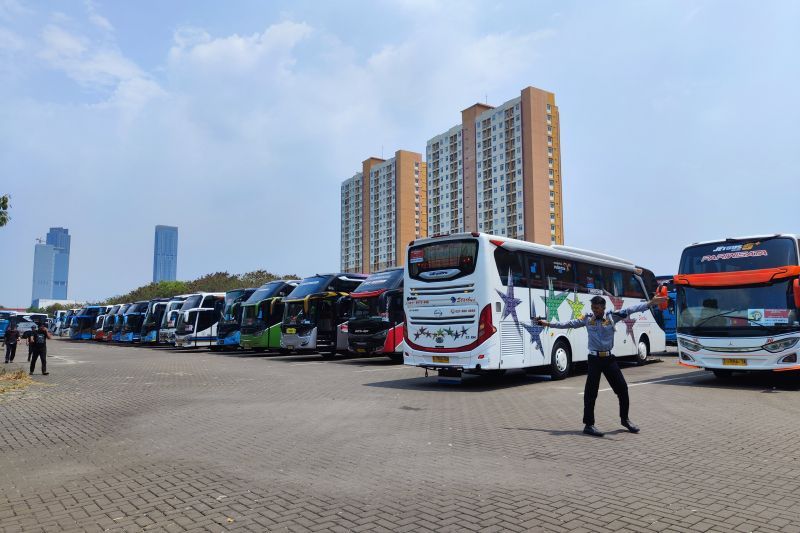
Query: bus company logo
x,y
438,313
734,255
462,300
737,247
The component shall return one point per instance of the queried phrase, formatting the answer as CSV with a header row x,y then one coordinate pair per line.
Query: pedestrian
x,y
27,337
10,338
600,327
39,341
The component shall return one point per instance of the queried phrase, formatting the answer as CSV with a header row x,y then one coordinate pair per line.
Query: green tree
x,y
4,207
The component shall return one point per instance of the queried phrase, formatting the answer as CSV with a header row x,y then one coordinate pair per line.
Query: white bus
x,y
198,327
738,304
472,300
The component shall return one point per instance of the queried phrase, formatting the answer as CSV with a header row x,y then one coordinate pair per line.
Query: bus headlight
x,y
689,345
781,345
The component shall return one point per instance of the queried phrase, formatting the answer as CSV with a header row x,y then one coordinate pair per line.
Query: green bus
x,y
261,316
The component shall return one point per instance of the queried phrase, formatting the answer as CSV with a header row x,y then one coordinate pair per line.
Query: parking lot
x,y
129,439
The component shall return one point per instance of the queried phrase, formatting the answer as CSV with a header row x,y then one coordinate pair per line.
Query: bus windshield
x,y
734,256
382,280
374,307
139,307
740,311
297,316
191,302
444,260
309,286
266,291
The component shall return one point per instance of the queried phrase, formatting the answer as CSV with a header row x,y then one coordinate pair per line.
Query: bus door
x,y
513,342
344,307
534,282
397,318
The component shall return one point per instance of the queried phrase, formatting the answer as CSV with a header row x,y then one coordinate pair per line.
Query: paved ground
x,y
131,439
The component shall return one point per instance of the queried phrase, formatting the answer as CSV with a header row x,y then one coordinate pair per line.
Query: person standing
x,y
600,327
39,341
10,338
27,337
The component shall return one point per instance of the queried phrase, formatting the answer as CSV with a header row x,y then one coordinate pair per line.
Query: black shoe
x,y
593,431
633,428
48,373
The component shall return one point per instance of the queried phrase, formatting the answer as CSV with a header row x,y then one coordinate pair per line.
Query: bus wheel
x,y
721,373
396,357
642,351
560,360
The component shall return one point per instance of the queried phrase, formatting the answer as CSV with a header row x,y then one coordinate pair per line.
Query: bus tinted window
x,y
533,266
560,273
614,282
633,289
206,320
442,260
509,262
590,278
732,256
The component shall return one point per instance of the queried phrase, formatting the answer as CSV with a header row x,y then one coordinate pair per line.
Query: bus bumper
x,y
293,341
231,340
739,355
481,358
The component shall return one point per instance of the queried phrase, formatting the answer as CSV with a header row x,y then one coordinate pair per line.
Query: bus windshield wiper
x,y
726,313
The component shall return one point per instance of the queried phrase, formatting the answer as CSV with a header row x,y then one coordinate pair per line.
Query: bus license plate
x,y
361,350
734,362
440,359
291,330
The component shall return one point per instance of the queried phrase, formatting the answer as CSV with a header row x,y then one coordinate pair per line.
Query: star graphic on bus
x,y
420,332
552,302
616,301
535,331
629,322
510,303
576,305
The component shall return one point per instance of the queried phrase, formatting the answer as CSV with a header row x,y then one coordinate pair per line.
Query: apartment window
x,y
548,108
552,205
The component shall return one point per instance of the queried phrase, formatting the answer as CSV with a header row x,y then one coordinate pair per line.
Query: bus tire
x,y
396,357
642,350
721,373
560,360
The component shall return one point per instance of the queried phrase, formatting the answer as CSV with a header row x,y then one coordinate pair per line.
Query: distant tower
x,y
60,239
165,254
43,266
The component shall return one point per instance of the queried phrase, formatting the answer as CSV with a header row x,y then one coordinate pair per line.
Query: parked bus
x,y
262,315
58,321
108,323
119,321
198,318
738,301
152,320
66,329
228,328
6,318
97,327
472,301
315,309
377,319
83,322
166,333
132,322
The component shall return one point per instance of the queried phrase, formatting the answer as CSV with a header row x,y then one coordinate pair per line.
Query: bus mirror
x,y
662,292
796,287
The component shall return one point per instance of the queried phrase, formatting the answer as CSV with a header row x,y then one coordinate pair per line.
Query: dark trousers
x,y
30,351
610,369
11,350
41,353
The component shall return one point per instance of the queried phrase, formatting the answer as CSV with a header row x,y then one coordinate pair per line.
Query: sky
x,y
238,121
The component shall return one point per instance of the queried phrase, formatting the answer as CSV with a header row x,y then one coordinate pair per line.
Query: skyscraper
x,y
165,254
383,208
499,171
43,269
60,239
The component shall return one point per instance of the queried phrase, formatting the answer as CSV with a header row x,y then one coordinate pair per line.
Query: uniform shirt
x,y
601,332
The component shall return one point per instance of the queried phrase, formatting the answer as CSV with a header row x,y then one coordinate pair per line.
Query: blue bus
x,y
132,322
669,314
83,321
229,325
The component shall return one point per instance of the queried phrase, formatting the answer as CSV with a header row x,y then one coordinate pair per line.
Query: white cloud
x,y
11,9
10,41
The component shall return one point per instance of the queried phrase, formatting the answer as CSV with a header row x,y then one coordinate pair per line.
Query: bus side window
x,y
633,288
395,305
560,273
533,267
590,278
206,320
506,261
276,315
614,282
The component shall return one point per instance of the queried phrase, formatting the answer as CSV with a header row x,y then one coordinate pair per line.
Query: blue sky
x,y
237,121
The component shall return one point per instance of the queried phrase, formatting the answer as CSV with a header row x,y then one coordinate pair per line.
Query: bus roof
x,y
749,238
558,250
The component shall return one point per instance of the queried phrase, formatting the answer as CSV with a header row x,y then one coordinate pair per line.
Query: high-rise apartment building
x,y
51,266
165,254
383,208
60,239
499,171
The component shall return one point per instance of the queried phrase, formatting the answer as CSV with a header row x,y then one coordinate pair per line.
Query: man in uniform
x,y
600,326
10,338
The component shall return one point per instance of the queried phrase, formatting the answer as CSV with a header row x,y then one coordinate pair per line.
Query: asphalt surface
x,y
130,439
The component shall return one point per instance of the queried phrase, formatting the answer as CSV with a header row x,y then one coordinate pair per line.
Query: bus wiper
x,y
726,313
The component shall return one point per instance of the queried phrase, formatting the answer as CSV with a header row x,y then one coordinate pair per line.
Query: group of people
x,y
36,338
